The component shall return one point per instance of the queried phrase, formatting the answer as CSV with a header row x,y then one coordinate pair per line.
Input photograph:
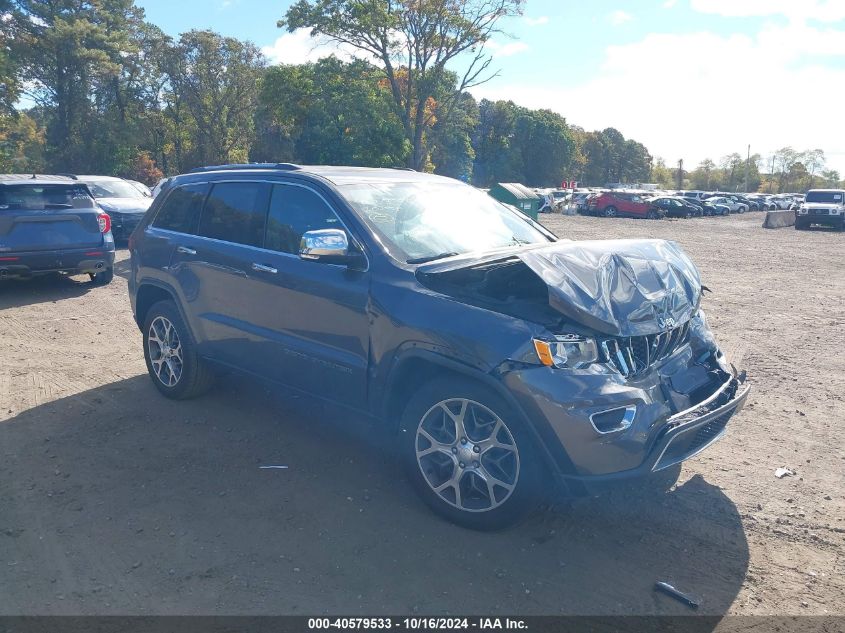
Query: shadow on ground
x,y
117,501
15,293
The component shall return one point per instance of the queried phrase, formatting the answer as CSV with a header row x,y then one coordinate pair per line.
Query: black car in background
x,y
677,207
52,224
712,207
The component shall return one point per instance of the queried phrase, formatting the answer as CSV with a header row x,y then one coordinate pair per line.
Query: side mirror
x,y
326,245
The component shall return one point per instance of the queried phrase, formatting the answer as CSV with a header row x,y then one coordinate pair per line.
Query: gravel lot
x,y
116,501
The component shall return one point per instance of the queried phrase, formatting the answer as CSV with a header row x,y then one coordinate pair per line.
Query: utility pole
x,y
681,174
772,175
747,168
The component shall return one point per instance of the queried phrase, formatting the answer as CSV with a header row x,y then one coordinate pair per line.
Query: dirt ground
x,y
116,501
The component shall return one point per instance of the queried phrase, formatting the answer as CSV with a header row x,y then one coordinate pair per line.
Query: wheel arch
x,y
416,367
151,292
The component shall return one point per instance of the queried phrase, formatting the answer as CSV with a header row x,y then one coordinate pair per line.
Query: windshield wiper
x,y
431,258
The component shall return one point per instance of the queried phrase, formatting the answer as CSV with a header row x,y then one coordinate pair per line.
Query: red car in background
x,y
611,204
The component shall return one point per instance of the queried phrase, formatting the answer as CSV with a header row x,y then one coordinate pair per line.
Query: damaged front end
x,y
623,370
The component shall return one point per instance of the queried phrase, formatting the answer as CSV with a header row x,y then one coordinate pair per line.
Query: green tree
x,y
330,112
22,143
214,83
450,140
414,41
783,160
544,145
662,175
494,159
814,160
513,143
67,51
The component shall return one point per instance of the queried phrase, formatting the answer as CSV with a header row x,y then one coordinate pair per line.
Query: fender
x,y
560,463
169,289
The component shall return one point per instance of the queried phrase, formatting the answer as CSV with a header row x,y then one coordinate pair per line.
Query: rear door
x,y
212,270
47,217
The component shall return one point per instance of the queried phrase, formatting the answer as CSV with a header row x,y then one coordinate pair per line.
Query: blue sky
x,y
690,79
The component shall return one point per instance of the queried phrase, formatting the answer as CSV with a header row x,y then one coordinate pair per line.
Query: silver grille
x,y
634,355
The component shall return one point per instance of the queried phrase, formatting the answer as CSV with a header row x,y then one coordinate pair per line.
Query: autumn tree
x,y
422,38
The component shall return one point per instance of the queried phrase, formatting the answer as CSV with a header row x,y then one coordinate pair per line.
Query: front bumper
x,y
76,261
836,221
671,415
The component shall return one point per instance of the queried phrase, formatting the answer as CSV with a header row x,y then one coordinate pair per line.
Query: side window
x,y
181,209
293,211
235,212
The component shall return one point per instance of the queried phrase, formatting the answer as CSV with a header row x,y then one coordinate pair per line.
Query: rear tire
x,y
487,482
610,212
103,277
174,366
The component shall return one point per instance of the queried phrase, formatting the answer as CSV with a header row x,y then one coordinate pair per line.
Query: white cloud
x,y
669,4
701,95
800,10
620,17
543,19
300,48
498,49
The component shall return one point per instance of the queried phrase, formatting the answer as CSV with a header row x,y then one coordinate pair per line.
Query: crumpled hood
x,y
619,287
615,287
124,205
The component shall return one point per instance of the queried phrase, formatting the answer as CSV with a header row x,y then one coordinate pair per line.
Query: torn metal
x,y
624,288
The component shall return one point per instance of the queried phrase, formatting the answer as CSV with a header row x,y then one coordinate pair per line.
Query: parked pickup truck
x,y
52,224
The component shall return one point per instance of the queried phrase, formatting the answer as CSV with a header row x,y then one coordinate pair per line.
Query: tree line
x,y
90,86
786,170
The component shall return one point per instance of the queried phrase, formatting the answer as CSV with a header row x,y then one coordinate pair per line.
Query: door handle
x,y
264,269
186,251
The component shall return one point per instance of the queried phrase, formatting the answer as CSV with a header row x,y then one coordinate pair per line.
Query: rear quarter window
x,y
181,209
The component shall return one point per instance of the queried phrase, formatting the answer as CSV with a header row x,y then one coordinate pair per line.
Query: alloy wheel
x,y
165,350
467,455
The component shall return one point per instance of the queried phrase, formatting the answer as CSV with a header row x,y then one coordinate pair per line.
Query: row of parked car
x,y
658,204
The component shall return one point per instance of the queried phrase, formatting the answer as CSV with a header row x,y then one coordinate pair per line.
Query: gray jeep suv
x,y
505,359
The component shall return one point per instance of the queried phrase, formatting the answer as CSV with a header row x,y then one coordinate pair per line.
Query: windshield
x,y
113,189
426,220
21,197
832,197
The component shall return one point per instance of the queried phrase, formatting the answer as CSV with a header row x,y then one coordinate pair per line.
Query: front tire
x,y
176,369
468,455
610,212
103,277
652,215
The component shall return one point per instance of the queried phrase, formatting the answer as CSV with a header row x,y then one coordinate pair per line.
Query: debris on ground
x,y
669,590
780,473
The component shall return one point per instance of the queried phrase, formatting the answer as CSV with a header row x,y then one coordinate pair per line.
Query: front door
x,y
313,315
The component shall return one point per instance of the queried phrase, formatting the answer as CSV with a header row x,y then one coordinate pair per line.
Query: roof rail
x,y
242,166
71,176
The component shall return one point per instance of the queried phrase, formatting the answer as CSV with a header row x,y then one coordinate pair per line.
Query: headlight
x,y
802,211
567,351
